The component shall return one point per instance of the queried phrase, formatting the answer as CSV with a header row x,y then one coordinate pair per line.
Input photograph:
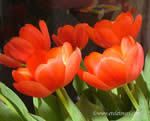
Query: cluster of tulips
x,y
40,70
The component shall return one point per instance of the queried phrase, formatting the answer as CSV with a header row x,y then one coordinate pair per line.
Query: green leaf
x,y
143,85
127,116
142,114
82,65
146,74
125,99
6,114
64,114
14,102
79,85
37,118
111,103
48,108
91,111
70,107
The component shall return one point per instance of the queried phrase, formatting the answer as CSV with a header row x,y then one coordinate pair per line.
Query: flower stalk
x,y
130,95
71,108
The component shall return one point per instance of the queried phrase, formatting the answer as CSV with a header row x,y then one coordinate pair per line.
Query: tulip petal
x,y
114,51
91,61
44,30
127,44
123,25
136,26
95,36
22,74
8,61
66,34
54,52
39,57
66,51
93,80
32,35
19,49
72,65
57,40
134,62
80,35
32,88
109,37
103,24
51,75
112,71
124,17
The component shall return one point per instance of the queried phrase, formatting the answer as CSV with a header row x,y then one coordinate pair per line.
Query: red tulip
x,y
18,49
77,36
108,33
47,70
116,66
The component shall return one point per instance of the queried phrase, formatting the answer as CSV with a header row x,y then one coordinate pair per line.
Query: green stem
x,y
134,102
132,86
69,105
8,104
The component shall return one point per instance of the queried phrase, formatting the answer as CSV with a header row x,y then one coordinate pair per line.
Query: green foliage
x,y
48,108
11,107
79,85
142,114
6,114
37,118
91,111
146,71
71,108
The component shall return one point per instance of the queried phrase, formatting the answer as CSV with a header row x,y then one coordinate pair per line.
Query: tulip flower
x,y
77,36
18,49
115,67
47,70
108,33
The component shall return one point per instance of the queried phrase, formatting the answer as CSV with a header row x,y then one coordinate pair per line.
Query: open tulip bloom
x,y
108,33
117,66
18,49
43,72
77,36
39,78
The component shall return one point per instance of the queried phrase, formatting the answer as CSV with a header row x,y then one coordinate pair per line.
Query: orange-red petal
x,y
57,40
45,33
39,57
92,60
19,49
8,61
127,44
22,74
134,62
72,65
66,34
93,80
32,88
33,35
112,71
66,51
80,35
51,75
136,26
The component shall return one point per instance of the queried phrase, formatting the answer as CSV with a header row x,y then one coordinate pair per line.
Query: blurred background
x,y
15,13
